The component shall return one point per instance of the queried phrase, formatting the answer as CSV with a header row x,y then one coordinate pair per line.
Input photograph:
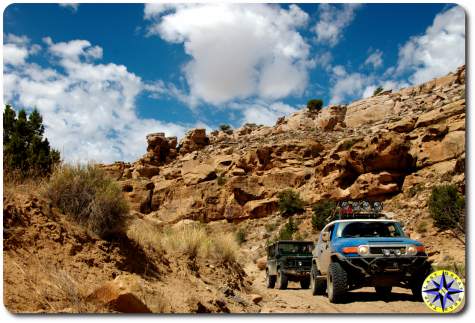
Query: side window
x,y
330,230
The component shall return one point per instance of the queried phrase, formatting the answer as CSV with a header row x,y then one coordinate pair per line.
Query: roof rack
x,y
357,210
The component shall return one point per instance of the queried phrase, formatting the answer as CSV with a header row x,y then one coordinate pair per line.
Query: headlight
x,y
411,250
363,250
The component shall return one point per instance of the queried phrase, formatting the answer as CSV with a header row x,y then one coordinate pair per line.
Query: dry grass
x,y
14,182
147,235
225,248
192,241
88,196
54,289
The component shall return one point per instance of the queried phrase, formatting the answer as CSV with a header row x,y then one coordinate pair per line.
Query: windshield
x,y
369,229
295,248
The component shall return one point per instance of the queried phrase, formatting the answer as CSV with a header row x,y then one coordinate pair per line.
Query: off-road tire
x,y
305,282
383,291
417,282
270,280
318,287
337,283
282,280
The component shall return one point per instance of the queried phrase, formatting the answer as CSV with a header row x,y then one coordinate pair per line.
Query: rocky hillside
x,y
392,147
176,250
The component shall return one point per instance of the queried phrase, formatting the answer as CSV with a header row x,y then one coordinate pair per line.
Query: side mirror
x,y
326,236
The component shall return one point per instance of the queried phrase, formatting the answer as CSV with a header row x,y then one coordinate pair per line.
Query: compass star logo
x,y
443,291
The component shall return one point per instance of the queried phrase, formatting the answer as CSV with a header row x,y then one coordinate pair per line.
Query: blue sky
x,y
104,75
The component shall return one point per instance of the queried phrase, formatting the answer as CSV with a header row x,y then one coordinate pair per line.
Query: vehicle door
x,y
324,249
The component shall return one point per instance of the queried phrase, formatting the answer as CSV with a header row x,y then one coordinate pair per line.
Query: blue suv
x,y
355,253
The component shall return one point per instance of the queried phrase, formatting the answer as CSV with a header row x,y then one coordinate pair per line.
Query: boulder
x,y
147,170
195,139
256,298
138,193
369,185
160,149
404,125
436,115
194,172
332,116
261,208
385,151
368,111
261,263
123,294
246,189
431,152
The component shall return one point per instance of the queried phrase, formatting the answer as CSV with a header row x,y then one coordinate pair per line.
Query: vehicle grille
x,y
379,250
298,263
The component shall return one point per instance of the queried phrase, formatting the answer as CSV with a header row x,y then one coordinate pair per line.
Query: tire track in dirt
x,y
296,300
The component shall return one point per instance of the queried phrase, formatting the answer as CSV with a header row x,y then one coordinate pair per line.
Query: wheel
x,y
305,282
337,282
383,291
317,286
418,281
282,280
270,280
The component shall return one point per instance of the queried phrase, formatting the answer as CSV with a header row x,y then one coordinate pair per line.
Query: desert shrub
x,y
322,212
413,190
241,236
378,90
226,129
270,226
88,196
456,267
422,227
446,206
224,248
314,105
290,202
24,148
221,180
287,232
347,144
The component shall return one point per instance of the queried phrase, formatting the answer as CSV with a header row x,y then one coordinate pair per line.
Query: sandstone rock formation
x,y
379,148
195,139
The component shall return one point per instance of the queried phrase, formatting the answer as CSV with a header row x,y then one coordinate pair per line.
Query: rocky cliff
x,y
391,147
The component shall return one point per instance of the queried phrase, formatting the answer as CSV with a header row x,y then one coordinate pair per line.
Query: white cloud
x,y
332,21
237,50
73,6
88,108
14,55
264,113
439,51
348,86
375,59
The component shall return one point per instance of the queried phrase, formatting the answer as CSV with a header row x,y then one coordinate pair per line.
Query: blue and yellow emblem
x,y
443,291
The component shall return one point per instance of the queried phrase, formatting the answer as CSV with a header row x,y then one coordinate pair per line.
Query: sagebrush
x,y
87,195
290,202
322,212
447,206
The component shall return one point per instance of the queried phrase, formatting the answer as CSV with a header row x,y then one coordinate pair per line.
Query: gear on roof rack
x,y
358,210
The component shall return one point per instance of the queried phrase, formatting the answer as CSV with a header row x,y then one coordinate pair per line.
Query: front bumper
x,y
297,272
374,265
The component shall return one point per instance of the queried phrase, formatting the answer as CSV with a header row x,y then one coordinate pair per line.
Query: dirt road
x,y
296,300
